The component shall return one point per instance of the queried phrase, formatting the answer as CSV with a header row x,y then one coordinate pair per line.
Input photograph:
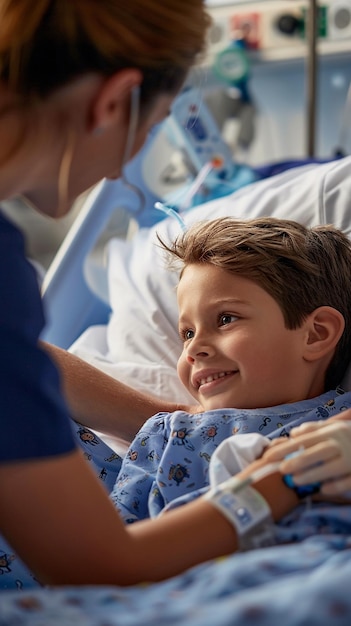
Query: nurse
x,y
81,84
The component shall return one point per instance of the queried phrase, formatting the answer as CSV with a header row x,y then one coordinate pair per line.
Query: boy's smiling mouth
x,y
204,378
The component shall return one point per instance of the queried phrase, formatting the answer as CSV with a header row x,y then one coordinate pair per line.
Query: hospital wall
x,y
279,73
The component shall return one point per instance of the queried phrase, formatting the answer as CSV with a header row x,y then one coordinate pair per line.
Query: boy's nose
x,y
191,357
201,347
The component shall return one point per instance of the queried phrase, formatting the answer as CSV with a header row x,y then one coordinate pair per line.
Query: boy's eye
x,y
226,318
187,334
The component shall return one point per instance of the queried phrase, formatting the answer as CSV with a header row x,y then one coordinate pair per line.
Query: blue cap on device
x,y
301,490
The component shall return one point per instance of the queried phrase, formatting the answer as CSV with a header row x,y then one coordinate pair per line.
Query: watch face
x,y
231,65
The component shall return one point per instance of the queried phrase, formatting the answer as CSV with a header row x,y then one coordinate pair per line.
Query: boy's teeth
x,y
209,379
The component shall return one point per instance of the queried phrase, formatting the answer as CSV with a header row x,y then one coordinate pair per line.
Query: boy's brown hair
x,y
301,268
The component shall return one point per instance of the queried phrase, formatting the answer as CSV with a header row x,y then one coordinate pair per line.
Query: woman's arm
x,y
100,401
56,515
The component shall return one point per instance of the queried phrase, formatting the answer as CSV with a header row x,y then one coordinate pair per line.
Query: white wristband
x,y
247,510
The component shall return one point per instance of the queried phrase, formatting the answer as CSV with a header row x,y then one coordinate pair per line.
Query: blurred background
x,y
276,79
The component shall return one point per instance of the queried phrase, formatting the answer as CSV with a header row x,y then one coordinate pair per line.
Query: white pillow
x,y
143,325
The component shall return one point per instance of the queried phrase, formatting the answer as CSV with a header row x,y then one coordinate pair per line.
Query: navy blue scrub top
x,y
34,418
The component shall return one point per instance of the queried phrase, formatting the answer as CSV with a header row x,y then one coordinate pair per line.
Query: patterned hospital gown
x,y
169,458
185,444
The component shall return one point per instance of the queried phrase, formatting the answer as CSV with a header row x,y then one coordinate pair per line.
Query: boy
x,y
264,316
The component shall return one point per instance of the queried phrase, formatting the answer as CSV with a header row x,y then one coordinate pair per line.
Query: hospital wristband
x,y
247,510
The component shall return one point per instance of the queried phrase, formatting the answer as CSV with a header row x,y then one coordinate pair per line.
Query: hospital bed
x,y
114,305
306,584
112,302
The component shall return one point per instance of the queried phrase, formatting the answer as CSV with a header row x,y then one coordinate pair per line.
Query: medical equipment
x,y
188,135
196,134
192,128
301,490
299,67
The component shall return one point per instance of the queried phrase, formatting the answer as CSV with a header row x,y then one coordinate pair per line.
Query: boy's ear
x,y
324,326
112,97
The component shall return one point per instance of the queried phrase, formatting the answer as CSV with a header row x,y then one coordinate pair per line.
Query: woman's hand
x,y
192,409
325,455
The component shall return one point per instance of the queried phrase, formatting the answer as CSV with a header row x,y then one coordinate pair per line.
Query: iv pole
x,y
312,21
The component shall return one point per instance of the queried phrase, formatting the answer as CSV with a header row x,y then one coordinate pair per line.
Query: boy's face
x,y
237,351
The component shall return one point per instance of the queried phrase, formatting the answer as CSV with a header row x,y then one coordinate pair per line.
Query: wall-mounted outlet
x,y
339,20
219,34
282,27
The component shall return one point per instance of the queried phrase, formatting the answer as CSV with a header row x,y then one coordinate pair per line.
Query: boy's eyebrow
x,y
229,301
225,303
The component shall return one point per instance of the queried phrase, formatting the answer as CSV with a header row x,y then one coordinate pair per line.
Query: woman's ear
x,y
325,327
113,99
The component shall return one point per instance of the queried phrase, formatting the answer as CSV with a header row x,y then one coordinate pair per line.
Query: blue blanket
x,y
302,583
305,584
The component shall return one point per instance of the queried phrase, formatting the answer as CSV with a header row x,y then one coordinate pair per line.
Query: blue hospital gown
x,y
169,458
179,446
